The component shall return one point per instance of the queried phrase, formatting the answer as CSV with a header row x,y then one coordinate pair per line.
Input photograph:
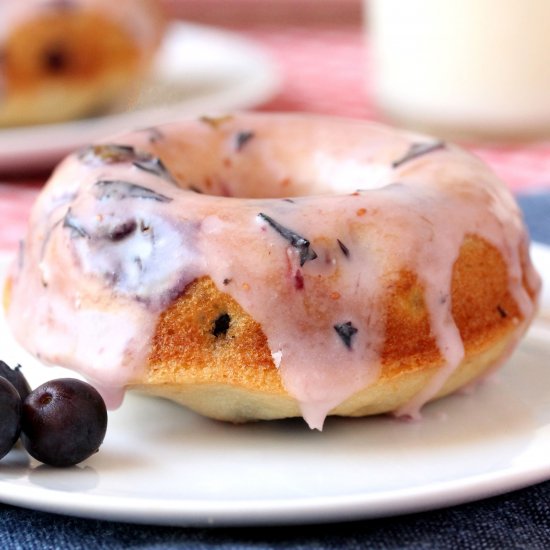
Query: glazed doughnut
x,y
62,59
264,266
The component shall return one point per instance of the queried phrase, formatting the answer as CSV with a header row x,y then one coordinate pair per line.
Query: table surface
x,y
307,55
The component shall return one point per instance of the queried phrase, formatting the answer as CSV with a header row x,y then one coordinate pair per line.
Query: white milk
x,y
465,67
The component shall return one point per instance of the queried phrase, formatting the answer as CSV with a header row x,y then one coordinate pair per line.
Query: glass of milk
x,y
463,68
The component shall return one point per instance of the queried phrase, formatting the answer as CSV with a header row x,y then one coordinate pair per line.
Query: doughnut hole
x,y
282,162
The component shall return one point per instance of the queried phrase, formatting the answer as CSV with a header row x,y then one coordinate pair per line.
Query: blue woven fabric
x,y
536,208
518,520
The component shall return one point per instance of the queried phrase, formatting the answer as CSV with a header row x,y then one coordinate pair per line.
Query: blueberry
x,y
63,422
10,415
16,377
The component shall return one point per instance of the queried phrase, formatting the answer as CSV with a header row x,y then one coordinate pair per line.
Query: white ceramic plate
x,y
164,465
199,70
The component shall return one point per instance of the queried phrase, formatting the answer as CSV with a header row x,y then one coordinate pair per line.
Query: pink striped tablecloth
x,y
323,72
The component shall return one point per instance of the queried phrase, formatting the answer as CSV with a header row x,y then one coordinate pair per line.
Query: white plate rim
x,y
250,512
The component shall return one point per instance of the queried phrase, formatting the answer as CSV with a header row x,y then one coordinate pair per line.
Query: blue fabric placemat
x,y
536,209
517,520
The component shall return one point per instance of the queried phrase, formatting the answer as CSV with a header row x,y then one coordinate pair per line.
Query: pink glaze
x,y
91,302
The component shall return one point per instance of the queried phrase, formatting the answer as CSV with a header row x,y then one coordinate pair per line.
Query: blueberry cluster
x,y
61,423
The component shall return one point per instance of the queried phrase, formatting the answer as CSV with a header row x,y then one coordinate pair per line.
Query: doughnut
x,y
63,59
265,266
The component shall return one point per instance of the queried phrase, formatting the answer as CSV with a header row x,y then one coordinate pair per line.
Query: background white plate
x,y
199,70
162,464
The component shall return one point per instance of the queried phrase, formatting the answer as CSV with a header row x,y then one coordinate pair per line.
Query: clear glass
x,y
472,68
